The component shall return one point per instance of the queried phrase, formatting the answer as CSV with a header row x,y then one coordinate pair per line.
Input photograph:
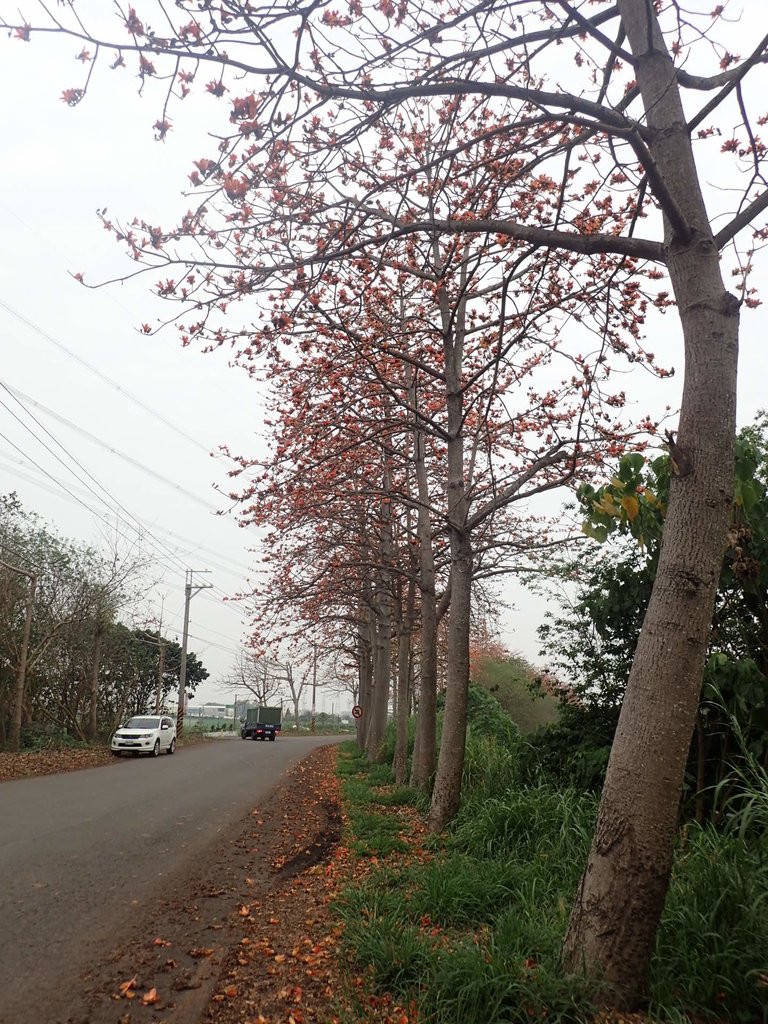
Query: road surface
x,y
84,854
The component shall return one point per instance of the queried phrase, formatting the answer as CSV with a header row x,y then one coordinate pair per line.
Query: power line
x,y
102,376
138,529
233,569
15,393
141,533
74,497
93,512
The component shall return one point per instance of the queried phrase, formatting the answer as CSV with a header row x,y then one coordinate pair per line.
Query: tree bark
x,y
424,751
20,691
367,719
383,601
93,709
446,794
400,760
382,663
613,925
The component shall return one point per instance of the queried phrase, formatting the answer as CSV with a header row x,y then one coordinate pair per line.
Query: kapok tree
x,y
322,78
478,326
453,322
326,495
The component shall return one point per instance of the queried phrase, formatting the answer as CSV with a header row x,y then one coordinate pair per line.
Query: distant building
x,y
210,711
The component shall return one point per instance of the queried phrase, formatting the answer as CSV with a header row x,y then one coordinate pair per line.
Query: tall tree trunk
x,y
400,761
450,766
424,751
383,601
382,665
93,709
621,897
369,694
446,794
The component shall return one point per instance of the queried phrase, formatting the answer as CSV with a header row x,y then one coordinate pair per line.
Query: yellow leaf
x,y
150,997
607,505
631,506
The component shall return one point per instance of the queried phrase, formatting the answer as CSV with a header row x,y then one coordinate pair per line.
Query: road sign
x,y
357,711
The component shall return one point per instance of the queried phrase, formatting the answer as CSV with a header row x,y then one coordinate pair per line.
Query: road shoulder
x,y
246,938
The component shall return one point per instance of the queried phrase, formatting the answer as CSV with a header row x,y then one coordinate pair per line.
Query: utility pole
x,y
21,675
189,593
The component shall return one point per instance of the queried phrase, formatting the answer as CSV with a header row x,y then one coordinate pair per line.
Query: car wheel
x,y
156,749
172,748
272,739
116,753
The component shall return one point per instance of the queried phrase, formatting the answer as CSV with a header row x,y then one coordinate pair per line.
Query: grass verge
x,y
467,927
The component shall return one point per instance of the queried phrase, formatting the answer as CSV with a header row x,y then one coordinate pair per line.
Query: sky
x,y
139,413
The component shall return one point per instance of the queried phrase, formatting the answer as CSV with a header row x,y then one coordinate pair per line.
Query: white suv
x,y
146,734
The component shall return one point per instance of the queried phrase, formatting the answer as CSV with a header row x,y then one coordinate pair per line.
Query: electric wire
x,y
142,532
76,461
138,529
103,376
15,393
212,557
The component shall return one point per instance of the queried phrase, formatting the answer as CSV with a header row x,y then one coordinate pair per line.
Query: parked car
x,y
145,734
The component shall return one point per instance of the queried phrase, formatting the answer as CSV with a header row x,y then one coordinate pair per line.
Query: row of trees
x,y
68,665
445,229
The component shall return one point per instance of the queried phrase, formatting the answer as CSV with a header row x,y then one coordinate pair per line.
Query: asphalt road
x,y
84,853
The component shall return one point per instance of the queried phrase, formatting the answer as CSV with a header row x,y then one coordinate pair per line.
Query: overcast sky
x,y
168,408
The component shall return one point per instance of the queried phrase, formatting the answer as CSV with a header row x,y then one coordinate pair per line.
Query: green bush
x,y
491,768
536,824
37,737
390,736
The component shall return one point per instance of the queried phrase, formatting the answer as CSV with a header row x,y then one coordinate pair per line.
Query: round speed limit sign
x,y
357,711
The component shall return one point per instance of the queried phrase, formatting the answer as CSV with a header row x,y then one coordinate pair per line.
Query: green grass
x,y
400,796
474,934
357,791
380,775
376,835
712,949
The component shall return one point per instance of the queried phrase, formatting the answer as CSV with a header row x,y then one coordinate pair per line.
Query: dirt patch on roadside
x,y
29,763
248,939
